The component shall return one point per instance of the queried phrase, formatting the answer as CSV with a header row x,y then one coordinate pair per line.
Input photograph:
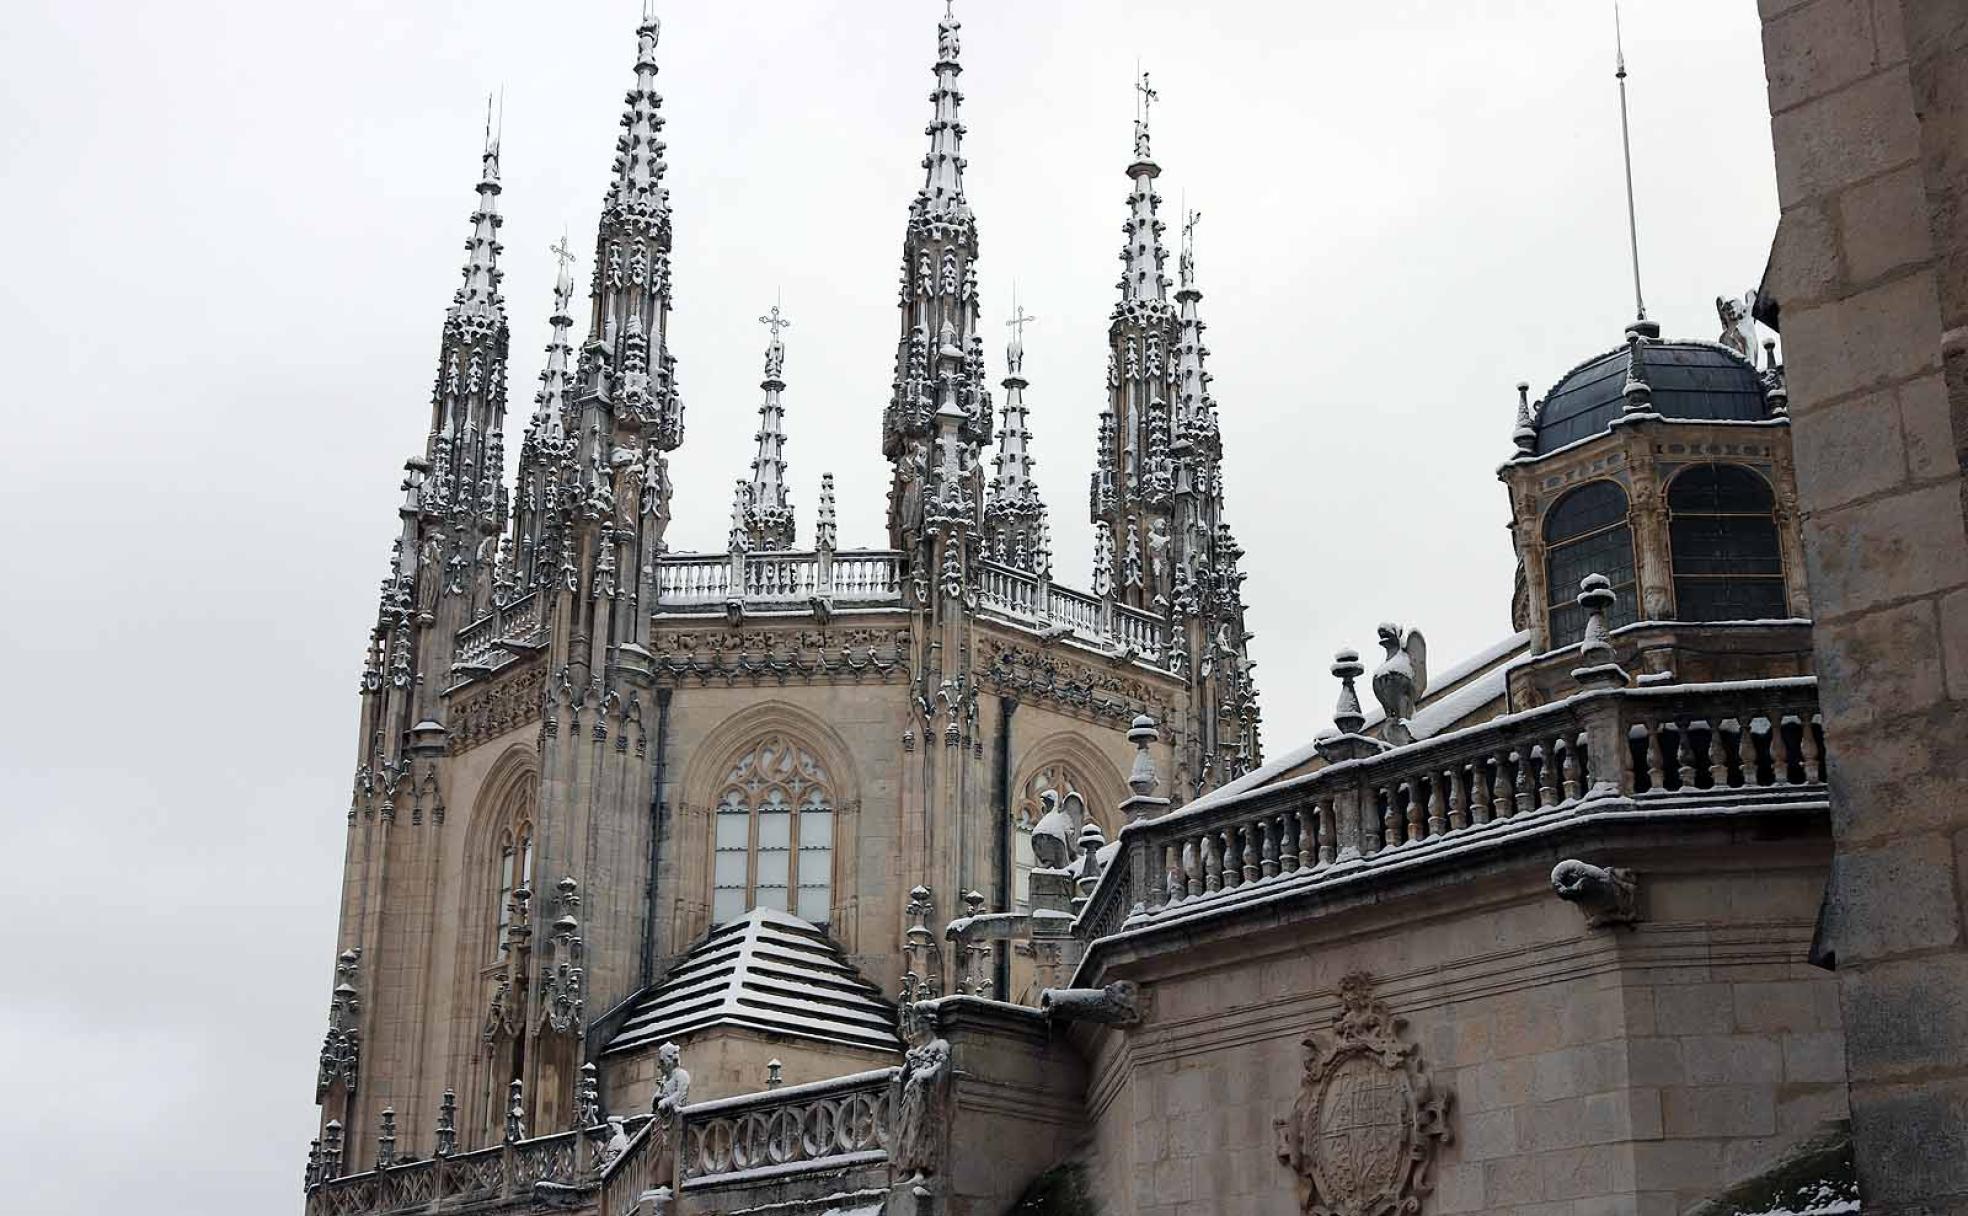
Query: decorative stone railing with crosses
x,y
1676,746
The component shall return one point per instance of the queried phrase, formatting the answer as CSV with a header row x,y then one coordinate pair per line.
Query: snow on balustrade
x,y
835,1124
704,580
478,643
570,1158
1689,746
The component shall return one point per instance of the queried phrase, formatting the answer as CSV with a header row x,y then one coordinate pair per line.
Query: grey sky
x,y
232,232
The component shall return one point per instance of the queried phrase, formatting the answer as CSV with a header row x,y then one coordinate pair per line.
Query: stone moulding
x,y
1363,1132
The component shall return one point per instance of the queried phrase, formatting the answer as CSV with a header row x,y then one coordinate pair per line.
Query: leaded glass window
x,y
1586,532
773,835
515,871
1722,531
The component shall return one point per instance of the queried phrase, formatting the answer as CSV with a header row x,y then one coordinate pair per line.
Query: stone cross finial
x,y
1346,715
775,321
386,1140
561,252
1148,97
447,1124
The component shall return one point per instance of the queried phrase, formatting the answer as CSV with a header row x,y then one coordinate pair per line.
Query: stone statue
x,y
618,1142
1052,835
1158,547
1738,327
920,1096
1401,679
673,1090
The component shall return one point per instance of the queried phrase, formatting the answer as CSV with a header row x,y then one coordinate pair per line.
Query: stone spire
x,y
1014,514
544,451
826,525
939,416
768,515
1132,495
626,360
1143,254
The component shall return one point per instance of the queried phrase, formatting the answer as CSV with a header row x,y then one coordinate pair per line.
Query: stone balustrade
x,y
479,646
1026,597
482,1176
834,1124
763,579
1678,745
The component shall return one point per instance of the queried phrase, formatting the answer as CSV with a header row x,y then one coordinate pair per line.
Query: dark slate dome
x,y
1690,380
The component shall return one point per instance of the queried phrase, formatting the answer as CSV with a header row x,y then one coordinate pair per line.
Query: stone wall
x,y
1591,1070
1869,114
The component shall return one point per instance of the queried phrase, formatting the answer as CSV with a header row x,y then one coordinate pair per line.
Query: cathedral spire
x,y
943,166
1195,408
1014,514
768,516
1143,255
543,454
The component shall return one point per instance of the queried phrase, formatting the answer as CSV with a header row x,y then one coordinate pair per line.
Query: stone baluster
x,y
1520,782
1212,866
1251,854
1792,757
1814,765
1458,814
1568,771
1408,793
1390,816
1268,860
1653,744
1684,755
1499,787
1326,833
1193,867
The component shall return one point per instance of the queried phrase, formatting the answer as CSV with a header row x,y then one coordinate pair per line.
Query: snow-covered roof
x,y
766,971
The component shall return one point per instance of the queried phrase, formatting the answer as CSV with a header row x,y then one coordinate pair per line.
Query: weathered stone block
x,y
1694,1009
1905,1017
1897,897
1911,1143
1553,1125
1675,1165
1862,341
1805,1110
1488,1135
1815,49
1655,1062
1793,1005
1512,1180
1719,1110
1850,450
1883,224
1885,550
1581,1172
1842,137
1732,1059
1817,1056
1804,262
1954,643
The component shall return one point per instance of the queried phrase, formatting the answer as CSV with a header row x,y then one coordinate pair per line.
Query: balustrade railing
x,y
704,580
825,1125
1691,744
571,1158
478,643
1017,593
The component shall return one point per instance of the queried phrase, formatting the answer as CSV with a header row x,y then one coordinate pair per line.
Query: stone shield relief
x,y
1363,1131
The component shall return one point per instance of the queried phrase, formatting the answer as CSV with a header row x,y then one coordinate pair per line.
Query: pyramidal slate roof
x,y
767,971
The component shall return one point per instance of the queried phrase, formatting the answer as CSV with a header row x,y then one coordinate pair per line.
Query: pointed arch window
x,y
773,835
515,871
1586,532
1062,779
1722,531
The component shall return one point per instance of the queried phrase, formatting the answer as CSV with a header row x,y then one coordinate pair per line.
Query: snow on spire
x,y
944,164
638,184
1195,408
1143,254
477,308
768,516
551,402
1014,515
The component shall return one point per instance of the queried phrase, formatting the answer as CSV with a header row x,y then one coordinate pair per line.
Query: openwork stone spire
x,y
545,451
1143,254
939,416
1014,514
768,514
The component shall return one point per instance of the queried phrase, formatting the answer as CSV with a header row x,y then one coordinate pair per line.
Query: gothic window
x,y
1060,778
773,835
1586,532
1722,531
515,871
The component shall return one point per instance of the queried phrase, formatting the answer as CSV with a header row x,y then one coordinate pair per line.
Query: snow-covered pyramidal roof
x,y
765,971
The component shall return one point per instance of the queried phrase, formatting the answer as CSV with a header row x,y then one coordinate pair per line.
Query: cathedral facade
x,y
583,754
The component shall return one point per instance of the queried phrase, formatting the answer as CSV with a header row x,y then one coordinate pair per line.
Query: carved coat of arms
x,y
1364,1130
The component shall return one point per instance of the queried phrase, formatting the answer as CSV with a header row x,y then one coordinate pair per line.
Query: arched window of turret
x,y
1722,530
1586,532
1062,779
773,840
515,871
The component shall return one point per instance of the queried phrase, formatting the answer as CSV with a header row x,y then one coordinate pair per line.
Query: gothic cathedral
x,y
609,796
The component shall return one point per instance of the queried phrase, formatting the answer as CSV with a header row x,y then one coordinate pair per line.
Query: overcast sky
x,y
232,231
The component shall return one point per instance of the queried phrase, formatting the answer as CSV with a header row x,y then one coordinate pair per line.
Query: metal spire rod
x,y
1626,148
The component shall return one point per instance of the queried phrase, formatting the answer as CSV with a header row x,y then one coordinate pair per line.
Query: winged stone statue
x,y
1401,679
